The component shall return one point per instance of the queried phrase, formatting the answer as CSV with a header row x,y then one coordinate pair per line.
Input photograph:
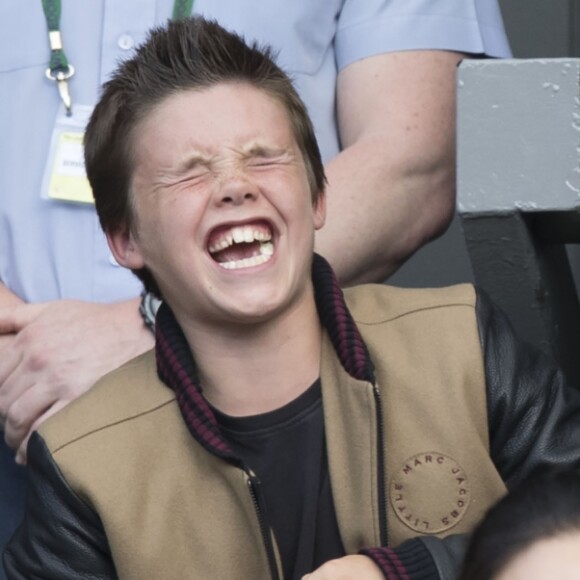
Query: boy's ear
x,y
125,248
319,211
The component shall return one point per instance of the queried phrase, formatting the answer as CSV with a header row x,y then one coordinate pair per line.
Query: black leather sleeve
x,y
61,537
533,415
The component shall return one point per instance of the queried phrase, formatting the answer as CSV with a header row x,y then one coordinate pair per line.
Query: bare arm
x,y
392,188
57,351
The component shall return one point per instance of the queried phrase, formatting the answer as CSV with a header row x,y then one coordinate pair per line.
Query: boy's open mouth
x,y
243,246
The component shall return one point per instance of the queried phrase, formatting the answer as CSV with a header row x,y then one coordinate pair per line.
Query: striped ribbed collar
x,y
176,365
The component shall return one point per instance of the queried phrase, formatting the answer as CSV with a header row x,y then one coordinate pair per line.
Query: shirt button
x,y
126,42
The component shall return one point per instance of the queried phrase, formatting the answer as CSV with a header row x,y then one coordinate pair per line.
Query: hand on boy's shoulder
x,y
354,567
53,352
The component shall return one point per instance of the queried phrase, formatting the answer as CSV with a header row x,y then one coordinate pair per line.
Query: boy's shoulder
x,y
376,303
129,392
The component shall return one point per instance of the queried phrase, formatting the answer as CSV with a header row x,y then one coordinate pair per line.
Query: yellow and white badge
x,y
65,178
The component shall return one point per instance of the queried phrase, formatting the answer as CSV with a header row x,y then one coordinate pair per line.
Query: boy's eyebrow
x,y
196,158
168,175
189,162
260,150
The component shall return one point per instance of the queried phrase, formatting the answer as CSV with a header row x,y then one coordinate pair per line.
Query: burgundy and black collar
x,y
176,365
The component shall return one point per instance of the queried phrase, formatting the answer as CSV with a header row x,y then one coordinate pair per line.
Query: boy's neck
x,y
256,369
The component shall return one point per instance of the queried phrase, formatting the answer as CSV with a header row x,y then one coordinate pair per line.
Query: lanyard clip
x,y
61,77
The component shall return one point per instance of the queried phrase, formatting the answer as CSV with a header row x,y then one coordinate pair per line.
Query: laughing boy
x,y
281,428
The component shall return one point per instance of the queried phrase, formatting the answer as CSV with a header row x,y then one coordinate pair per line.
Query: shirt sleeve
x,y
370,27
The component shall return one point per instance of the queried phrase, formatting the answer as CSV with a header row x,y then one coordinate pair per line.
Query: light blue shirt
x,y
51,250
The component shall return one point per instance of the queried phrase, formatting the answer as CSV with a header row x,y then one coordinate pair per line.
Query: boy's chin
x,y
258,307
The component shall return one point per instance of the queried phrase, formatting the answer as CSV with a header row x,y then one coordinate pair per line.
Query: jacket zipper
x,y
381,468
253,486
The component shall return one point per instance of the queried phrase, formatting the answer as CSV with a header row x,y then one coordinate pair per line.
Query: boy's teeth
x,y
246,262
239,235
267,248
266,252
222,245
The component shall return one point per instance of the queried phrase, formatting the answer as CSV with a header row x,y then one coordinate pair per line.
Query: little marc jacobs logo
x,y
430,493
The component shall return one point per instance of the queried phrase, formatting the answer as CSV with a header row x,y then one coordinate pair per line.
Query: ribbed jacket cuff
x,y
409,561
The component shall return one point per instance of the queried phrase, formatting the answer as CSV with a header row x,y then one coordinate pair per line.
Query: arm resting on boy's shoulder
x,y
57,351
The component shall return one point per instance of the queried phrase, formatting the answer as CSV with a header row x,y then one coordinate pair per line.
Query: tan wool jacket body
x,y
408,452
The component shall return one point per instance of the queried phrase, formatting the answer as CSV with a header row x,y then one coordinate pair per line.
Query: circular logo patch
x,y
430,493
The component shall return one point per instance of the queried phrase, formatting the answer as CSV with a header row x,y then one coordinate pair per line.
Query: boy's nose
x,y
236,190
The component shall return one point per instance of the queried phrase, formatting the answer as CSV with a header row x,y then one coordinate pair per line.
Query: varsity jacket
x,y
431,408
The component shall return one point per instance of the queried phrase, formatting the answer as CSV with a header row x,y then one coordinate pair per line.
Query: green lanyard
x,y
181,9
59,69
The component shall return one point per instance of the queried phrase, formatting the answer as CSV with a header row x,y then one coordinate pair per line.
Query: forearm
x,y
392,188
384,203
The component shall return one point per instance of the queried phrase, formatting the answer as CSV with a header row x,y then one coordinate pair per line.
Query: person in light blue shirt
x,y
378,79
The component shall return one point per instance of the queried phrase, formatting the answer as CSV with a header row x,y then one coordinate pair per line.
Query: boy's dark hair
x,y
187,54
543,507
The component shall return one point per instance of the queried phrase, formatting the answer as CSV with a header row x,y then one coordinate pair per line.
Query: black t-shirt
x,y
286,448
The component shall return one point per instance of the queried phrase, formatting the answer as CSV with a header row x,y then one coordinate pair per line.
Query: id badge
x,y
65,178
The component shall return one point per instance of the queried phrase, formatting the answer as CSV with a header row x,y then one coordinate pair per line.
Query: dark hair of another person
x,y
188,54
543,507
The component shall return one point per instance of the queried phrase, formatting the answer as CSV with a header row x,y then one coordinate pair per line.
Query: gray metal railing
x,y
519,193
